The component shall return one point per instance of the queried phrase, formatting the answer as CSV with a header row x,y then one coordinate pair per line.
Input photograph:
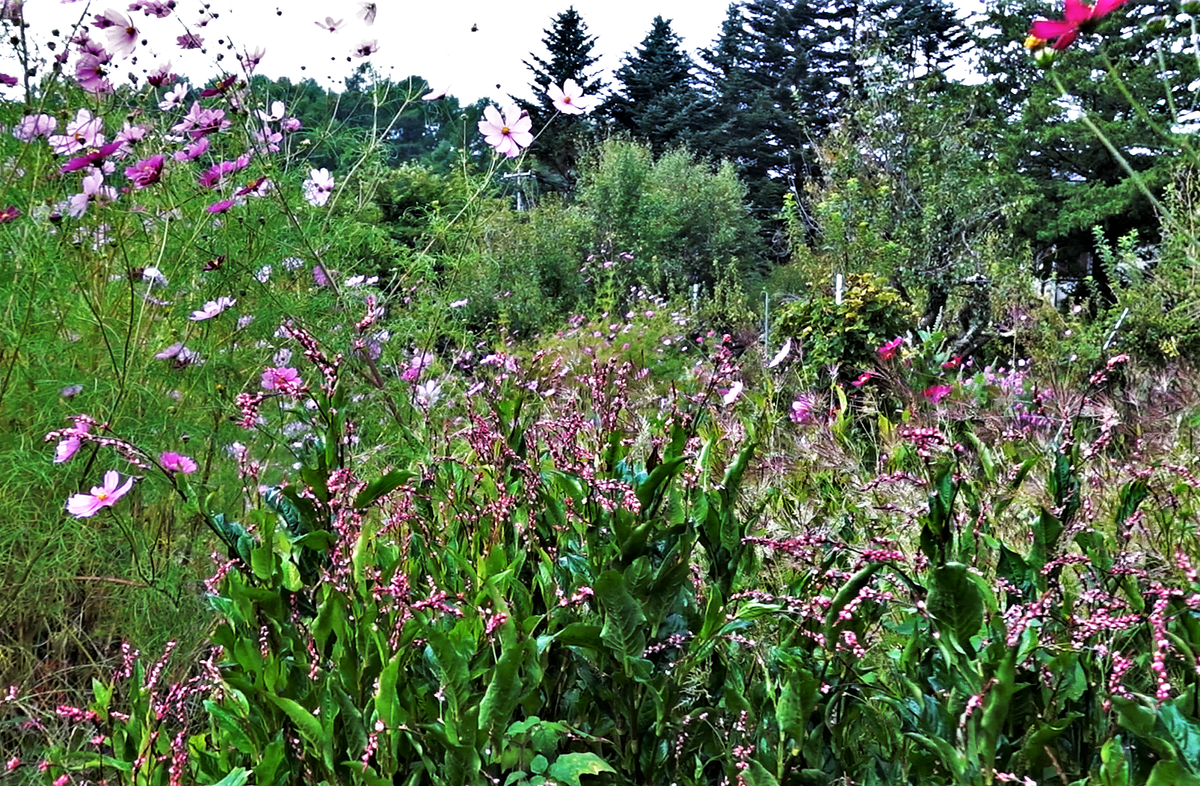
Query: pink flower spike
x,y
71,443
87,505
507,133
175,462
569,99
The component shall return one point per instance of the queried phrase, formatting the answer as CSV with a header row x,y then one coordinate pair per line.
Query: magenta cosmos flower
x,y
176,462
146,172
87,505
1080,18
284,380
507,133
569,99
212,308
888,350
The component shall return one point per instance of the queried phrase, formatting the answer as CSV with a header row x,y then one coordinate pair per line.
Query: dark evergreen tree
x,y
570,57
658,93
1053,161
918,37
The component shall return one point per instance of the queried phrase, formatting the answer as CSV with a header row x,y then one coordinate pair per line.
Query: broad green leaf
x,y
230,729
382,486
1114,764
504,691
234,778
624,621
757,775
1171,773
570,766
954,601
304,720
847,593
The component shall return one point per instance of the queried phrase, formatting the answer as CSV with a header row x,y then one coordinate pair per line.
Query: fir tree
x,y
570,57
658,93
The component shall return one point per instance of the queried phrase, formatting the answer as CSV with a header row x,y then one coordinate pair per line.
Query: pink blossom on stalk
x,y
888,350
87,505
94,190
122,35
569,99
318,187
175,462
1079,18
936,393
200,121
366,48
31,127
192,151
161,75
507,133
85,130
71,442
174,97
92,159
284,380
367,11
212,308
91,74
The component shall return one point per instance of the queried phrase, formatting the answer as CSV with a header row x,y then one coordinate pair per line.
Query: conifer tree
x,y
569,49
657,93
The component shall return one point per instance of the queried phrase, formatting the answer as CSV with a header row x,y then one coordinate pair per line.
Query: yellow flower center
x,y
103,495
504,130
1033,42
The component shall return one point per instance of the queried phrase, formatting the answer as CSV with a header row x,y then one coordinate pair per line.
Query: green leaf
x,y
382,486
304,720
235,778
757,775
568,767
1114,764
847,593
504,691
1171,773
955,602
230,730
624,621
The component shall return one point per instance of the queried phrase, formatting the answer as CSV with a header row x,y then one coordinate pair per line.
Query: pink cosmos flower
x,y
804,409
94,190
161,75
416,366
220,207
862,380
175,462
71,442
31,127
174,97
200,121
181,356
507,133
569,99
92,159
284,380
250,60
122,35
189,41
85,130
87,505
781,355
888,350
212,308
1080,18
367,11
91,74
436,93
732,394
192,151
366,48
8,80
936,393
10,213
330,25
318,187
278,110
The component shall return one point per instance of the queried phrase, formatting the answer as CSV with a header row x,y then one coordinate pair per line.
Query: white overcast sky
x,y
423,37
